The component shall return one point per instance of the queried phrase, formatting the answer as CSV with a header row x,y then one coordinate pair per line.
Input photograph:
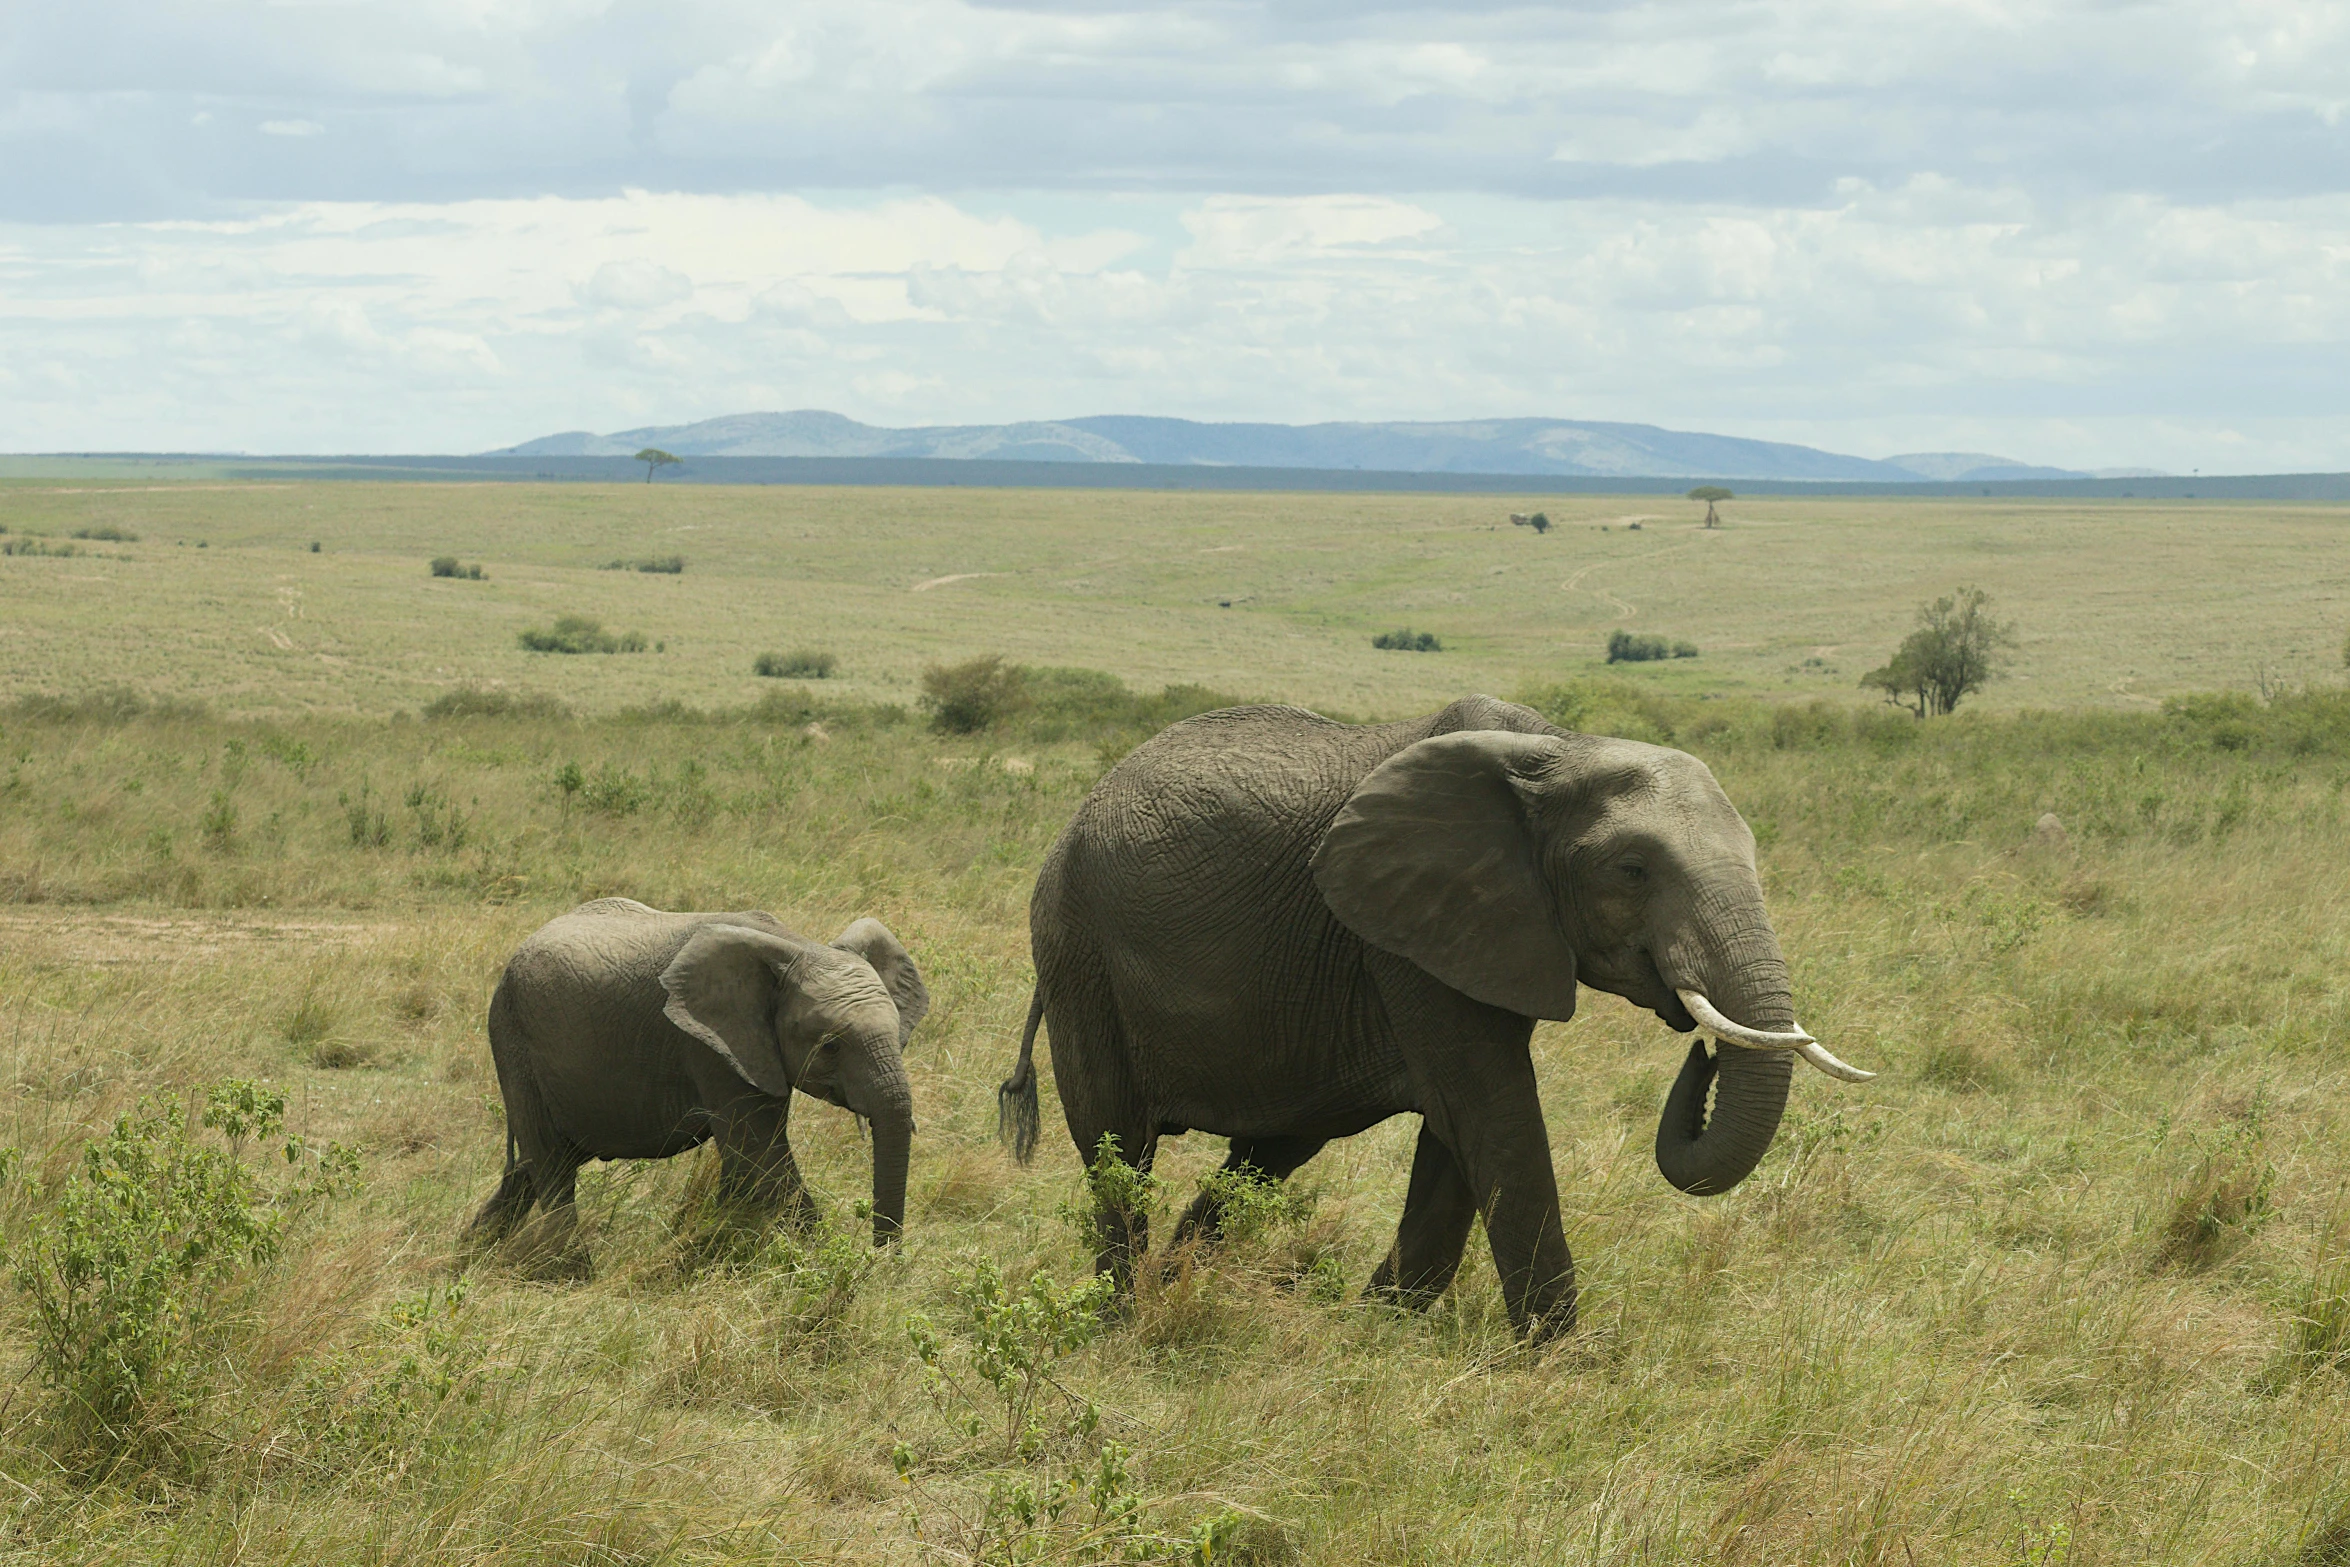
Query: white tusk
x,y
1818,1056
1711,1019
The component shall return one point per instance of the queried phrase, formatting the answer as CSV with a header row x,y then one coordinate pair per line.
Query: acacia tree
x,y
1710,493
1956,648
655,460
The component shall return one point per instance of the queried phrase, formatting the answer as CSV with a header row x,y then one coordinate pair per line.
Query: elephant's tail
x,y
1015,1100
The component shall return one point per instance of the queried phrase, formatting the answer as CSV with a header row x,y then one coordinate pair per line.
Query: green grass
x,y
2065,1280
2065,1284
2119,603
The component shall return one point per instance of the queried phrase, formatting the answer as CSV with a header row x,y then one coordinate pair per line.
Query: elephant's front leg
x,y
1504,1151
756,1170
1437,1210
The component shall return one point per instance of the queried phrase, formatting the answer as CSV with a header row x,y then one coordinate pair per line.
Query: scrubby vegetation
x,y
1408,641
580,634
656,565
111,533
799,664
450,566
1625,647
1957,647
32,544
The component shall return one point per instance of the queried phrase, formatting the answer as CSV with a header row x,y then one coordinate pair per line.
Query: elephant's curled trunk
x,y
1708,1154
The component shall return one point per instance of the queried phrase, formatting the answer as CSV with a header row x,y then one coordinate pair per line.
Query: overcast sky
x,y
2090,234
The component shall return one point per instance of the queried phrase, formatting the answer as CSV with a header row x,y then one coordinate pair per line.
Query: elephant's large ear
x,y
723,987
1435,859
871,940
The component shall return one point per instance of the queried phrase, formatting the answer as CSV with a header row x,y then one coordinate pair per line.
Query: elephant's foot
x,y
548,1248
1417,1296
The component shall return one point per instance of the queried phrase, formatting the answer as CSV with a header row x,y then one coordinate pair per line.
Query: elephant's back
x,y
608,955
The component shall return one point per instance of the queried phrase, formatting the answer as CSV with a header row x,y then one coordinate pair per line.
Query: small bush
x,y
976,694
1626,647
36,546
471,701
128,1272
657,565
449,566
1684,650
580,634
798,664
107,533
1408,641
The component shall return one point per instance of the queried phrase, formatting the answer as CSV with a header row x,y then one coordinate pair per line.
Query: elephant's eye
x,y
1633,874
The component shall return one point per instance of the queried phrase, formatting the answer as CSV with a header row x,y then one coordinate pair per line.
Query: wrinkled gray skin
x,y
1282,929
621,1032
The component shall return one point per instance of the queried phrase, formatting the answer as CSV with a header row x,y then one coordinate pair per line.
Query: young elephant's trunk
x,y
873,1080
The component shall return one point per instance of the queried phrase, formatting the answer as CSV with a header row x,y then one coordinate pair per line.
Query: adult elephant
x,y
1283,929
622,1032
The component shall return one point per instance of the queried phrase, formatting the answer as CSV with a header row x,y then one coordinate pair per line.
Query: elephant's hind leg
x,y
506,1208
1437,1210
1267,1159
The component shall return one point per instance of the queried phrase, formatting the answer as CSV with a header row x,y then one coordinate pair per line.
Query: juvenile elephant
x,y
622,1032
1282,929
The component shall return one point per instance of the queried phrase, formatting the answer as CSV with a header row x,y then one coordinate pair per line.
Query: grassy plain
x,y
2119,603
2067,1284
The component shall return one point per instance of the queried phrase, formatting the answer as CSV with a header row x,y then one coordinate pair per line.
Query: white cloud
x,y
2080,231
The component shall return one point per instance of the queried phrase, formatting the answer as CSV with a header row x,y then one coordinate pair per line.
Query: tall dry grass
x,y
2066,1284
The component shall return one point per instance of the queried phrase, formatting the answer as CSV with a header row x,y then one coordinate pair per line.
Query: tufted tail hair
x,y
1015,1100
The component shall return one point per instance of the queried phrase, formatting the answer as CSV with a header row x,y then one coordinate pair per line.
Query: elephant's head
x,y
1512,865
832,1022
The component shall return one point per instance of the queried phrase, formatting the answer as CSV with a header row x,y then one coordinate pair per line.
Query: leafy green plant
x,y
107,532
1065,1493
386,1400
35,545
128,1272
450,566
976,694
654,565
1408,641
580,634
1955,649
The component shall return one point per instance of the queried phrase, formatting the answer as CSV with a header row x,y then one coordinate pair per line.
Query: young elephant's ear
x,y
724,985
1435,859
871,940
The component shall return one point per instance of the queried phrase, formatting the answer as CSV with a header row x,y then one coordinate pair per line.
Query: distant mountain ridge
x,y
1567,447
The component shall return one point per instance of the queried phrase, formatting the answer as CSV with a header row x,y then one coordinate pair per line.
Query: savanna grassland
x,y
2120,603
2069,1283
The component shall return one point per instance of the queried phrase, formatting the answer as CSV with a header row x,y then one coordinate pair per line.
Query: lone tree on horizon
x,y
1710,493
1955,649
655,460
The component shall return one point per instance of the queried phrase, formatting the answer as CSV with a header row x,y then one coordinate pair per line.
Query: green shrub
x,y
1408,641
580,634
128,1272
976,694
449,566
107,533
1625,647
799,664
658,565
36,546
472,701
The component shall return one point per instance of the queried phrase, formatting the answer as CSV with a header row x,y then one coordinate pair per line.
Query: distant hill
x,y
1567,447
